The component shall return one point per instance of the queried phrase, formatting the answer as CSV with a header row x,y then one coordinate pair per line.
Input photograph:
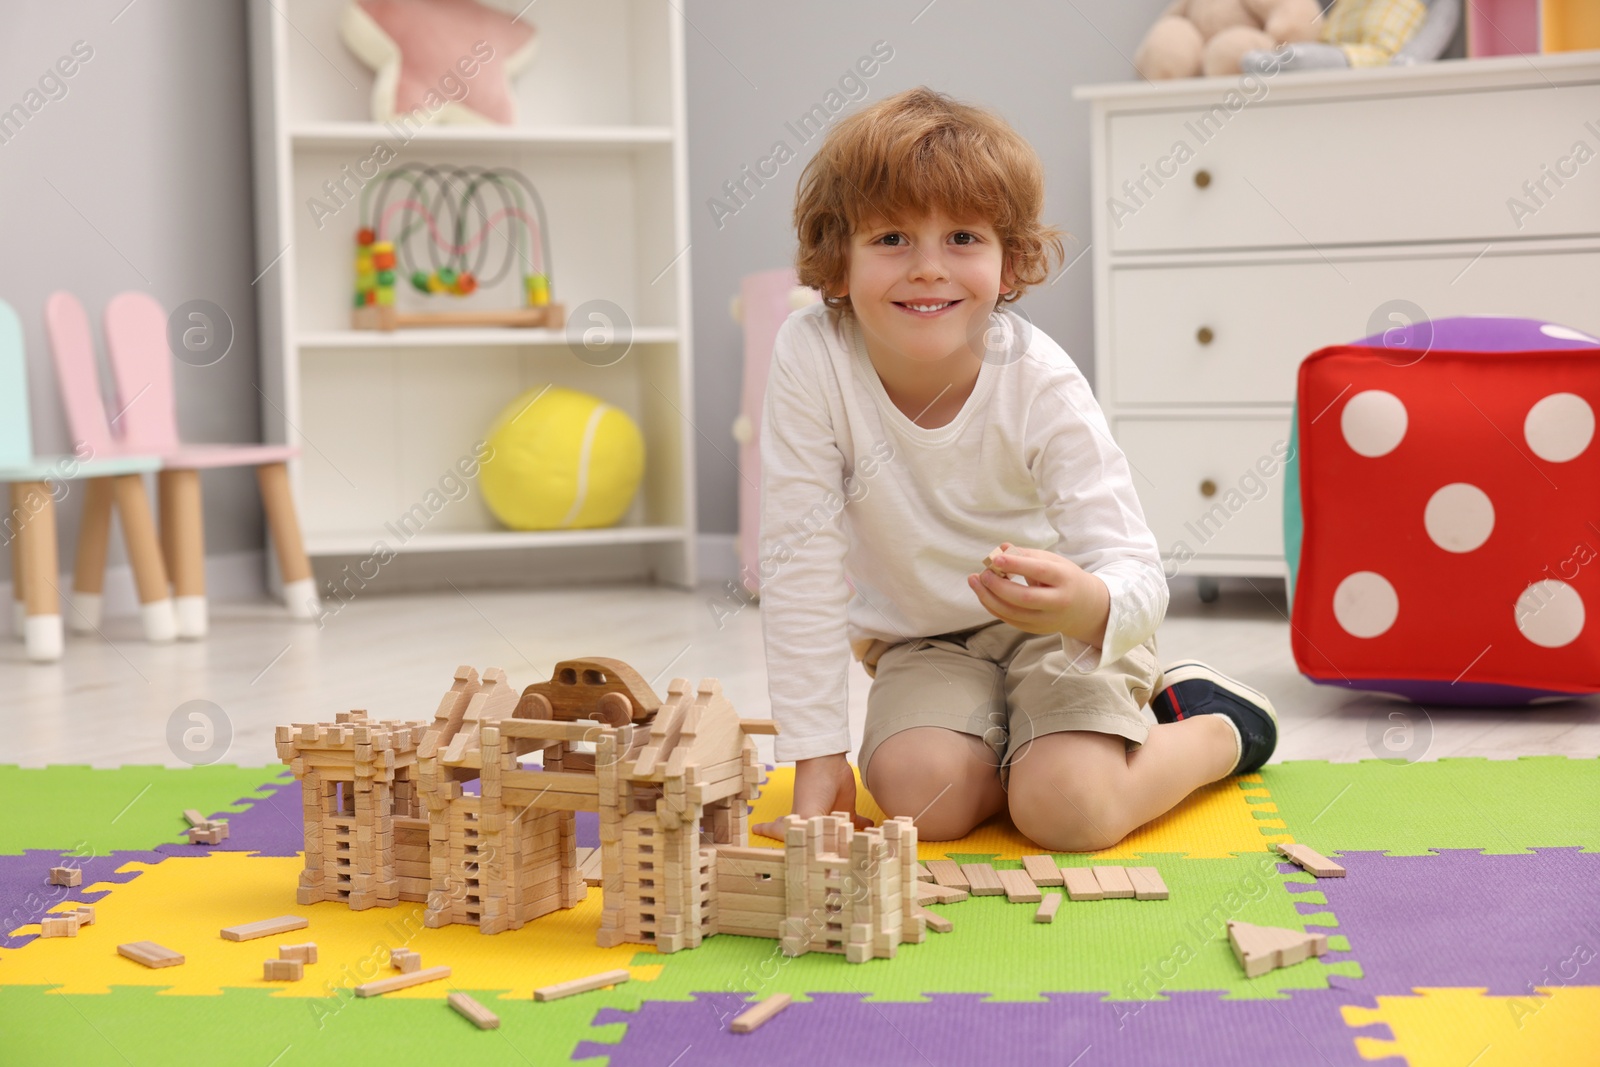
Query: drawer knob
x,y
1202,178
1208,488
1204,335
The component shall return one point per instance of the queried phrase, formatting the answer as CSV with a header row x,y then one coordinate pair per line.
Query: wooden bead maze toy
x,y
452,232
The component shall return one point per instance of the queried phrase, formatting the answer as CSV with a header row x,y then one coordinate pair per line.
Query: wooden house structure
x,y
387,818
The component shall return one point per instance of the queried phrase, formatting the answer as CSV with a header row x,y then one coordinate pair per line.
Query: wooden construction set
x,y
386,819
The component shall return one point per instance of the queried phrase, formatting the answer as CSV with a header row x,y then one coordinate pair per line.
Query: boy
x,y
911,424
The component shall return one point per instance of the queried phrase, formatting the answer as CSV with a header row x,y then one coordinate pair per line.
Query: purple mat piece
x,y
1481,333
1195,1029
1463,919
271,825
26,893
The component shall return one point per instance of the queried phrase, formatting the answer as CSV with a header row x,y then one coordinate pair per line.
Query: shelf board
x,y
565,138
462,338
361,544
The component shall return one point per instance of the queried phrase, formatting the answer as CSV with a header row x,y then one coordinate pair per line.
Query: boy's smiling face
x,y
922,290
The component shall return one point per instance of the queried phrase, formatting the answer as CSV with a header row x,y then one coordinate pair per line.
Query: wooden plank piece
x,y
982,880
948,873
1047,908
1147,883
401,981
150,954
1043,870
581,985
1019,888
473,1012
282,924
759,1012
1082,884
929,893
1114,881
936,922
1312,860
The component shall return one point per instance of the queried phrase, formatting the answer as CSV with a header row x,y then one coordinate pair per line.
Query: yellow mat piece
x,y
1452,1027
183,903
1215,822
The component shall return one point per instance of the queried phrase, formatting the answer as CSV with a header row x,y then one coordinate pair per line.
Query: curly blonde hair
x,y
907,155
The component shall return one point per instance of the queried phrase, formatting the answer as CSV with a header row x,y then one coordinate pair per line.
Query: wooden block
x,y
1081,883
1043,870
282,924
948,873
206,835
306,953
85,914
923,874
988,561
759,1012
63,925
581,985
1312,860
982,880
1260,949
1047,908
1114,881
1019,888
283,970
67,876
936,922
150,954
473,1012
1147,883
928,893
405,960
401,981
194,817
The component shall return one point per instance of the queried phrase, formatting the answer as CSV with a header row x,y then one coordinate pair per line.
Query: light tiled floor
x,y
117,700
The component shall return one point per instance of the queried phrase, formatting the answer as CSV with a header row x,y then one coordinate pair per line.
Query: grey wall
x,y
136,177
752,66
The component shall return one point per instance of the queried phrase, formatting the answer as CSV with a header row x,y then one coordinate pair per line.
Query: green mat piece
x,y
1408,809
92,812
139,1027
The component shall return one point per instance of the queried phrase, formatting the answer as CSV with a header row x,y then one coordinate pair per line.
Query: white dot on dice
x,y
1459,517
1365,604
1550,613
1559,427
1373,422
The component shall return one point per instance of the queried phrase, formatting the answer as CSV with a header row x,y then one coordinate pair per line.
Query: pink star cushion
x,y
445,60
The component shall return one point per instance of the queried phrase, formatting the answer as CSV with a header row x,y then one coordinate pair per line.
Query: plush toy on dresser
x,y
1221,37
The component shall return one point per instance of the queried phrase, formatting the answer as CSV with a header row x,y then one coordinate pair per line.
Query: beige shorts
x,y
1005,686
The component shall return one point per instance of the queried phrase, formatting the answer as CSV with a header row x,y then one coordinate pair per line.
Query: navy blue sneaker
x,y
1191,688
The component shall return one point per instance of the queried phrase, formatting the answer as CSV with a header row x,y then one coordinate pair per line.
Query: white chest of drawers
x,y
1241,224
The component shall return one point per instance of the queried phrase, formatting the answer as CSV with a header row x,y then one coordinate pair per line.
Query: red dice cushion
x,y
1451,545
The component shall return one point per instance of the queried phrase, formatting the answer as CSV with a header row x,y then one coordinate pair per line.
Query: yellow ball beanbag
x,y
562,460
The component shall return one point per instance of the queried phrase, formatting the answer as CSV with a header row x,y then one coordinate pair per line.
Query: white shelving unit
x,y
383,418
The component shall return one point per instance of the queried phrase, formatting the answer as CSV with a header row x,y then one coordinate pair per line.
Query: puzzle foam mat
x,y
1467,931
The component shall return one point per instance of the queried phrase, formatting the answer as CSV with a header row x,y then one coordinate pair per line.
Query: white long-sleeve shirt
x,y
853,489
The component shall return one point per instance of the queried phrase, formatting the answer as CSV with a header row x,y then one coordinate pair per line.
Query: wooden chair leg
x,y
144,553
183,535
89,568
37,533
299,587
19,567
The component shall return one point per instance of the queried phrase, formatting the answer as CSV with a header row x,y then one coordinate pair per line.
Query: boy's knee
x,y
927,779
1064,815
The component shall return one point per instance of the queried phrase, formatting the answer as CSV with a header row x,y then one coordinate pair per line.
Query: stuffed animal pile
x,y
1222,37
